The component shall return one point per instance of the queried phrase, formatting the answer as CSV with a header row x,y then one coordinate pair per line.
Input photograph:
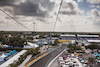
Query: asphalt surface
x,y
42,62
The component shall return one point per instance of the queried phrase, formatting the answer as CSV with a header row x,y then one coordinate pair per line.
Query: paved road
x,y
42,62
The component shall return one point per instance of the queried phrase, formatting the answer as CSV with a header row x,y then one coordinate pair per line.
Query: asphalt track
x,y
42,62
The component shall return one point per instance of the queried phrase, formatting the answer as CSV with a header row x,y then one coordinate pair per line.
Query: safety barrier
x,y
53,58
33,60
28,65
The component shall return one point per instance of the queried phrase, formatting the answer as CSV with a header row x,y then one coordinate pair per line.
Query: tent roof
x,y
88,35
98,41
32,44
68,35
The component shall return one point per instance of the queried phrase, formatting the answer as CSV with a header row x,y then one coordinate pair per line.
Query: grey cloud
x,y
59,19
8,10
25,20
79,0
1,22
29,7
95,16
68,5
69,12
15,17
45,3
72,7
96,22
93,1
41,19
7,17
96,13
7,2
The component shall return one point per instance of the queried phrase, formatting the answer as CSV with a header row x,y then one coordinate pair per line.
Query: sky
x,y
74,15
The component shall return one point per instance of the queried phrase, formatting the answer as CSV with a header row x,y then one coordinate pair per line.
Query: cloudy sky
x,y
74,15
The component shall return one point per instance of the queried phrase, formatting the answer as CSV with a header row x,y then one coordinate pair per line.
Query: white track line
x,y
55,58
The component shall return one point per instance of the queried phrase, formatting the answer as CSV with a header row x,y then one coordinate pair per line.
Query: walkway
x,y
25,61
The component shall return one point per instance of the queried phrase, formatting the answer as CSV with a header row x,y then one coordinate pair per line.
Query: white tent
x,y
5,45
88,35
36,40
2,57
68,35
31,45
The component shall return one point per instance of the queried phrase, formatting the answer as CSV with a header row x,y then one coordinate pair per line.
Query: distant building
x,y
65,39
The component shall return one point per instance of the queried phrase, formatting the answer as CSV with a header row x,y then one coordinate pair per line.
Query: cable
x,y
26,5
15,20
57,16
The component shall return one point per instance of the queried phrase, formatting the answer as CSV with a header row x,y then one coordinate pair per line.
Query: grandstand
x,y
88,37
67,37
